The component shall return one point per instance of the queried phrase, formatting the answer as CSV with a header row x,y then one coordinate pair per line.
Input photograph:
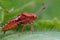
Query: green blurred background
x,y
48,20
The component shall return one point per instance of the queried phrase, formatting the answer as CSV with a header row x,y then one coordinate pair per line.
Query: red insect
x,y
24,18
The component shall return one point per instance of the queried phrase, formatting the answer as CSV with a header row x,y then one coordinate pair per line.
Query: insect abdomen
x,y
12,24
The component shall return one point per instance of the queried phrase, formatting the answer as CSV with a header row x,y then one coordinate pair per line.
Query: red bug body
x,y
24,18
10,25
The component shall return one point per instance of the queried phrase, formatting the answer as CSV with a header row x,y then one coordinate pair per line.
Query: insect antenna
x,y
41,9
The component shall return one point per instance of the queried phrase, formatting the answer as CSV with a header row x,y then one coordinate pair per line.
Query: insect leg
x,y
4,32
32,27
24,27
